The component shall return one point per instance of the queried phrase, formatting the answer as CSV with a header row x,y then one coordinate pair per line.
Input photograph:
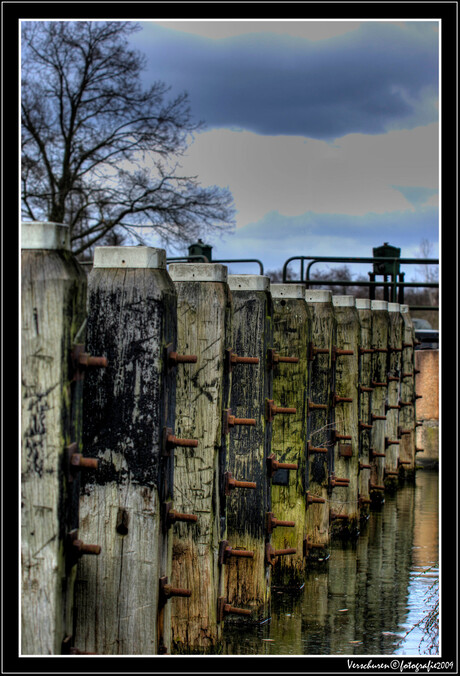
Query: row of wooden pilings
x,y
192,440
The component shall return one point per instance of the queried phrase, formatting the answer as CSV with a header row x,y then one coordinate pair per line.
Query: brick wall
x,y
427,408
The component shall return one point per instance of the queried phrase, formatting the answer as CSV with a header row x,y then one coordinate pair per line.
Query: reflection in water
x,y
368,595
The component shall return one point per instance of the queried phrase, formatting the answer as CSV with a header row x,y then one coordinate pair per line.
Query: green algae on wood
x,y
247,580
344,499
291,337
363,307
407,417
379,381
53,297
131,321
319,421
393,441
204,313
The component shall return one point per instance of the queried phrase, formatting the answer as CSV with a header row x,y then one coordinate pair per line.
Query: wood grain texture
x,y
131,319
395,329
247,582
291,336
380,330
319,424
345,384
202,390
365,403
53,292
407,416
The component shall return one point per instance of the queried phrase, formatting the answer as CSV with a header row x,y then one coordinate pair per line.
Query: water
x,y
368,596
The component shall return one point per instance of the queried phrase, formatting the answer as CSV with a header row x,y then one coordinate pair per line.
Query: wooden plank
x,y
131,321
344,500
407,419
395,330
291,337
247,580
53,298
204,314
380,328
319,421
363,306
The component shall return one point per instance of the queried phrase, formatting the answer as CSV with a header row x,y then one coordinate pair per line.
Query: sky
x,y
325,132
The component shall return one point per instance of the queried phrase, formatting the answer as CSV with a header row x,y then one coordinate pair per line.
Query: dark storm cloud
x,y
370,80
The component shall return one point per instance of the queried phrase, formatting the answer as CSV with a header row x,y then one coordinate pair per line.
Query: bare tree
x,y
99,152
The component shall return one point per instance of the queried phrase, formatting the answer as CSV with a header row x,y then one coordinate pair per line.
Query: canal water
x,y
370,598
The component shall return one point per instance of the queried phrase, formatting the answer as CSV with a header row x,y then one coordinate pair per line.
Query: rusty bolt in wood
x,y
311,406
390,442
313,351
308,545
225,552
81,360
375,487
271,553
363,465
336,399
406,403
271,410
420,450
76,462
76,548
378,417
403,462
338,515
337,352
315,449
122,521
376,384
224,608
389,473
363,501
395,349
338,482
364,426
167,591
172,359
408,344
408,375
389,407
230,420
314,498
419,424
393,379
402,431
418,396
364,388
273,465
366,350
273,523
169,441
232,359
339,437
231,483
384,350
274,358
170,516
374,454
345,450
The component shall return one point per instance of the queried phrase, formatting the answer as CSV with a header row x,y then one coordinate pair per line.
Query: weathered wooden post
x,y
320,446
123,597
204,314
363,306
379,381
287,461
247,442
393,404
343,483
407,420
53,297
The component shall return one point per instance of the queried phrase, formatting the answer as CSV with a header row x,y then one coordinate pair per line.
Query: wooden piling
x,y
53,297
380,329
247,580
344,499
320,447
204,313
393,440
291,337
127,408
363,306
407,417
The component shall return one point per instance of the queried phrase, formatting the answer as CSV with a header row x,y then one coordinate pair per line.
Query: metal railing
x,y
395,286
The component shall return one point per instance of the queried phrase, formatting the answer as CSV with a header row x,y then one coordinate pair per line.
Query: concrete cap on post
x,y
394,307
318,296
363,303
197,272
45,235
287,291
404,309
379,305
129,257
343,301
248,283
